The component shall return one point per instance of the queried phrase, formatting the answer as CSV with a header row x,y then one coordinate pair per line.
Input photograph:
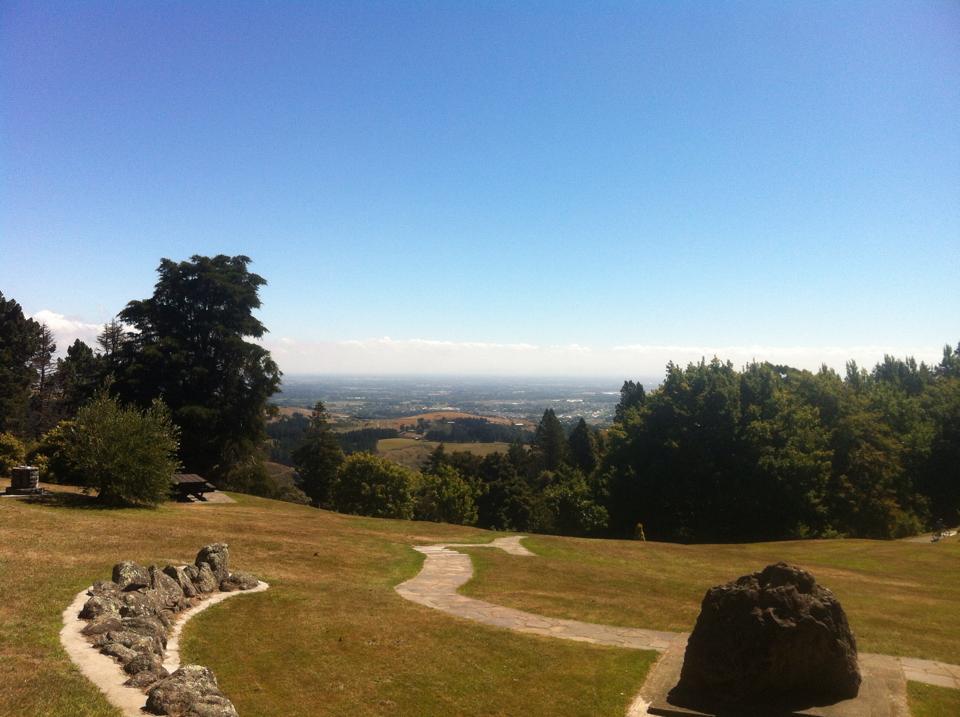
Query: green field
x,y
332,637
412,453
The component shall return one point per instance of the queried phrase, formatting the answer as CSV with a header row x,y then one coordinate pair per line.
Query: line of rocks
x,y
129,617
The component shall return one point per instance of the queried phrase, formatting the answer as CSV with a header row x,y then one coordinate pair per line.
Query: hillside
x,y
331,637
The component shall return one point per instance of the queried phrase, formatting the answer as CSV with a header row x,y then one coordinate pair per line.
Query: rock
x,y
143,662
146,678
140,603
130,576
123,653
239,581
773,637
104,587
183,579
134,640
100,606
168,590
217,556
146,625
191,691
101,625
206,581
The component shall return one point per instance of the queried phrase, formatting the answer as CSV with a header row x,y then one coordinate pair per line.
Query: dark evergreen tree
x,y
318,458
18,341
632,395
189,348
550,442
78,376
582,448
43,407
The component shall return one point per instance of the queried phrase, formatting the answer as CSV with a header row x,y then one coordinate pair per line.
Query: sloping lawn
x,y
330,637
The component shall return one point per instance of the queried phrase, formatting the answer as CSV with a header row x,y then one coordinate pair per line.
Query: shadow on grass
x,y
74,500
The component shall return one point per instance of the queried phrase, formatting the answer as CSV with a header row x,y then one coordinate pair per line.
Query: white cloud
x,y
67,330
385,355
428,356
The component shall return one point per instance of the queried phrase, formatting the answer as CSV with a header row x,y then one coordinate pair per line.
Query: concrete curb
x,y
109,676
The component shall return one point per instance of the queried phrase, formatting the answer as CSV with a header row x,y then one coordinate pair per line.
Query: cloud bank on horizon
x,y
388,356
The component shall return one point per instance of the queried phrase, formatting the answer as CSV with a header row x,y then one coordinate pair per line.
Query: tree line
x,y
713,454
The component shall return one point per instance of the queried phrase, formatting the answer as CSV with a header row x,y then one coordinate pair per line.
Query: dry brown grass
x,y
331,637
901,598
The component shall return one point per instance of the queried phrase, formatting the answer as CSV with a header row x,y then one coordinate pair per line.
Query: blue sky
x,y
497,187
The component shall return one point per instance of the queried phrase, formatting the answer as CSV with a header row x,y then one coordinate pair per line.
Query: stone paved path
x,y
445,570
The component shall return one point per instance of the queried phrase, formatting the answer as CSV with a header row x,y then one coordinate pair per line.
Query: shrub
x,y
11,453
369,485
445,497
50,456
127,455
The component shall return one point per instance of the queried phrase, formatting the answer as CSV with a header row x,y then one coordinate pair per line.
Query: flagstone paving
x,y
445,570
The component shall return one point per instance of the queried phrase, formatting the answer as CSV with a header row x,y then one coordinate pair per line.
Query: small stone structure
x,y
773,638
24,480
129,618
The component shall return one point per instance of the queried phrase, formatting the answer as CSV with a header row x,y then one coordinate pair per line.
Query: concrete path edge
x,y
107,674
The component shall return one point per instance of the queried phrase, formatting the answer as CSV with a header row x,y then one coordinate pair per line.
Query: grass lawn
x,y
330,637
901,598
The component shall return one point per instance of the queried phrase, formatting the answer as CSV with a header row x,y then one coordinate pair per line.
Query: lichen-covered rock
x,y
191,691
104,587
121,652
146,678
206,581
146,625
774,637
134,640
168,590
101,625
217,556
239,581
182,578
143,662
139,603
99,606
130,576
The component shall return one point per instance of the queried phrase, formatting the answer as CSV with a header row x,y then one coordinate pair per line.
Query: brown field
x,y
331,637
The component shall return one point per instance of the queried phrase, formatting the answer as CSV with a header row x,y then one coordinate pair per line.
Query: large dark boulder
x,y
775,637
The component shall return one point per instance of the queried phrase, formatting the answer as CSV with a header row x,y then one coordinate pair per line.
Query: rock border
x,y
109,675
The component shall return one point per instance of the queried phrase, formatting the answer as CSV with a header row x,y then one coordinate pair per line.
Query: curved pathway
x,y
445,570
106,673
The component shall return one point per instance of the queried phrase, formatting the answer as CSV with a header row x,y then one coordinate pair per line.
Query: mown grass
x,y
930,701
901,598
330,637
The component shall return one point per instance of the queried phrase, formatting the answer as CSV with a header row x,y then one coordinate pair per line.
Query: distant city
x,y
522,400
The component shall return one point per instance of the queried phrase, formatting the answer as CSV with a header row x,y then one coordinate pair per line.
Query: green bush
x,y
445,497
369,485
11,453
127,455
50,456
